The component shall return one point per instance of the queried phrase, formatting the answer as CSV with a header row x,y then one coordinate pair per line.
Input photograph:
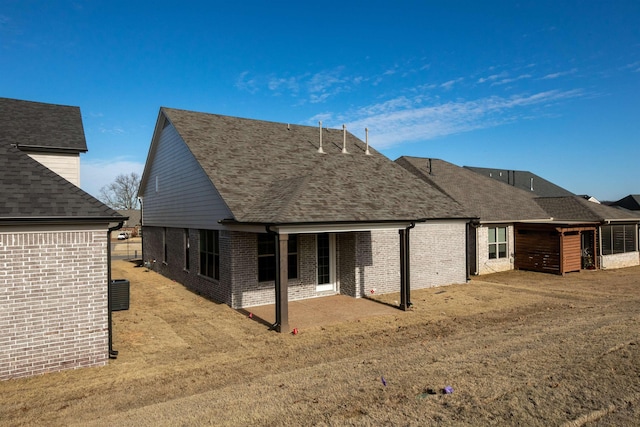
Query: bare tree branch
x,y
122,192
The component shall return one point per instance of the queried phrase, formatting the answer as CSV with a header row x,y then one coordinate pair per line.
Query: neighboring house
x,y
523,180
53,253
616,236
49,133
590,198
521,231
631,202
499,208
133,225
249,212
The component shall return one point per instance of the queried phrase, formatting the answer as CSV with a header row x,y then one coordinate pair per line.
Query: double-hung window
x,y
210,253
267,257
497,242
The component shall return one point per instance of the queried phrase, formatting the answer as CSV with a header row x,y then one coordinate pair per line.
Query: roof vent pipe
x,y
366,132
344,139
320,150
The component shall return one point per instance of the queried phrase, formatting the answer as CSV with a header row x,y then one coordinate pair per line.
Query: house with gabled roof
x,y
133,224
54,312
250,212
49,133
499,208
518,230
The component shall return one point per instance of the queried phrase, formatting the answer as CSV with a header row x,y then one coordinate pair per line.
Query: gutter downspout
x,y
141,227
113,354
282,315
472,225
405,268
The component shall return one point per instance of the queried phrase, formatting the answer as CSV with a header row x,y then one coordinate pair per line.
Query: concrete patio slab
x,y
322,311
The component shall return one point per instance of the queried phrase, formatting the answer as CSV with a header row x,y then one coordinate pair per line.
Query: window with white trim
x,y
497,242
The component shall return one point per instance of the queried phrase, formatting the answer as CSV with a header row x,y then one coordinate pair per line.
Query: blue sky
x,y
547,86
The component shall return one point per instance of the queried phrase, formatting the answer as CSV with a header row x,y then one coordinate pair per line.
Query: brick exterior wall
x,y
378,262
486,265
174,266
53,300
628,259
364,261
346,252
438,254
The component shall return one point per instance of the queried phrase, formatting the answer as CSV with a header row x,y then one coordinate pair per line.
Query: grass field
x,y
516,348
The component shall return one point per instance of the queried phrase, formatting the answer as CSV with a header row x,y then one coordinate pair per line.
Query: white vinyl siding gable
x,y
177,192
65,165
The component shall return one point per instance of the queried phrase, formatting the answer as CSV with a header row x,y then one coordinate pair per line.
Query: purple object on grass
x,y
447,390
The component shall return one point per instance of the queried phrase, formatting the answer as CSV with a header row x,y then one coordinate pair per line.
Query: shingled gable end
x,y
53,250
250,212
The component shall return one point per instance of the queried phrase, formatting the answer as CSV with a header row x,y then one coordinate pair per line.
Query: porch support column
x,y
596,258
405,268
282,283
562,252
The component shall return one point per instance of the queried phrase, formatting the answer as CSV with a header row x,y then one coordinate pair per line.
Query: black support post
x,y
405,269
282,283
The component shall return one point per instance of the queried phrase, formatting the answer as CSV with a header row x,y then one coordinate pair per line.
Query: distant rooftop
x,y
523,180
631,202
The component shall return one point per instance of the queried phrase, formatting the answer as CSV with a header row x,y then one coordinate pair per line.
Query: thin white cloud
x,y
289,84
244,83
511,80
95,174
559,74
634,67
325,80
322,117
399,121
317,88
114,130
493,77
449,84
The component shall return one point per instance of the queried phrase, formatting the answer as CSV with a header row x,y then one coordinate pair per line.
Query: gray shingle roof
x,y
631,202
489,199
134,216
523,180
31,191
270,172
576,208
43,126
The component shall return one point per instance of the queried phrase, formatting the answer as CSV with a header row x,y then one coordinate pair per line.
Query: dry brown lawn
x,y
517,348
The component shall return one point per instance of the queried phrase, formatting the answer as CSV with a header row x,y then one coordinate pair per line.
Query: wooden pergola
x,y
551,248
